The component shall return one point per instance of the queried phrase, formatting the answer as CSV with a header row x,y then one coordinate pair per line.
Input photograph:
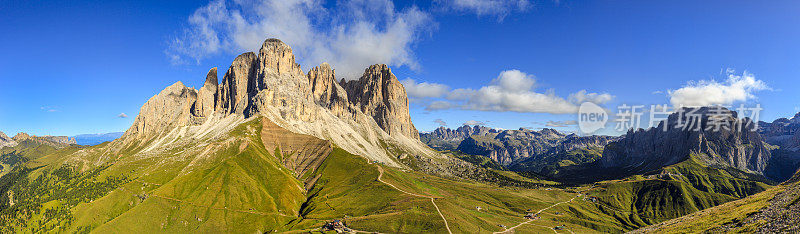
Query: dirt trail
x,y
433,199
542,210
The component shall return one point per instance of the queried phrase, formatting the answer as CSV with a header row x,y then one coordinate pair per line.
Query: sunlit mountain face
x,y
451,116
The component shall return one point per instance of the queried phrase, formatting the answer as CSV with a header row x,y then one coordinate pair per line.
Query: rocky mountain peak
x,y
21,136
277,57
238,84
272,84
164,111
206,97
551,132
691,132
327,92
211,78
379,94
323,82
6,141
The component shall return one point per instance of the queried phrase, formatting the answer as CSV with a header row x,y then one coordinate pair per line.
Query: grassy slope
x,y
347,187
242,187
639,201
709,219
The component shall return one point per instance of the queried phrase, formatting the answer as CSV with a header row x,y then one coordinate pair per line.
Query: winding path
x,y
433,199
542,210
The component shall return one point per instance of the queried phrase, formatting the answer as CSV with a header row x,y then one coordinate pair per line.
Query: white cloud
x,y
440,122
561,124
48,109
122,115
597,98
498,8
424,89
474,122
710,92
438,105
514,80
513,91
350,35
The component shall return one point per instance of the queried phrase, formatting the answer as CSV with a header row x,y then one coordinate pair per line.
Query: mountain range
x,y
271,148
55,141
522,149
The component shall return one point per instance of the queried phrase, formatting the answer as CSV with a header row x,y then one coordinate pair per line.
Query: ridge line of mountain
x,y
55,141
362,116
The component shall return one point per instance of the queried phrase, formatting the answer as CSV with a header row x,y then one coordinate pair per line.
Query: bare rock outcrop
x,y
444,138
738,145
276,58
784,135
6,141
238,84
54,141
509,146
379,94
281,83
162,113
361,118
327,92
206,97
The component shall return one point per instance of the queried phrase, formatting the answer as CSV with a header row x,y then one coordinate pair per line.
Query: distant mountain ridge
x,y
95,139
784,135
443,138
738,146
783,132
54,141
512,147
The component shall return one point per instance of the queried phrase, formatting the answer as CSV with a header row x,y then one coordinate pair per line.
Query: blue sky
x,y
74,67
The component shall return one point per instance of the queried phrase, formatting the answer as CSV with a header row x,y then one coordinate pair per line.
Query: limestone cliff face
x,y
276,58
782,132
238,83
162,113
379,94
281,84
358,117
327,92
644,150
206,97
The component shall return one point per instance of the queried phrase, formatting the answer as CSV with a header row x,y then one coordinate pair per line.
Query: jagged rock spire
x,y
379,94
239,81
327,92
271,82
206,97
276,58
